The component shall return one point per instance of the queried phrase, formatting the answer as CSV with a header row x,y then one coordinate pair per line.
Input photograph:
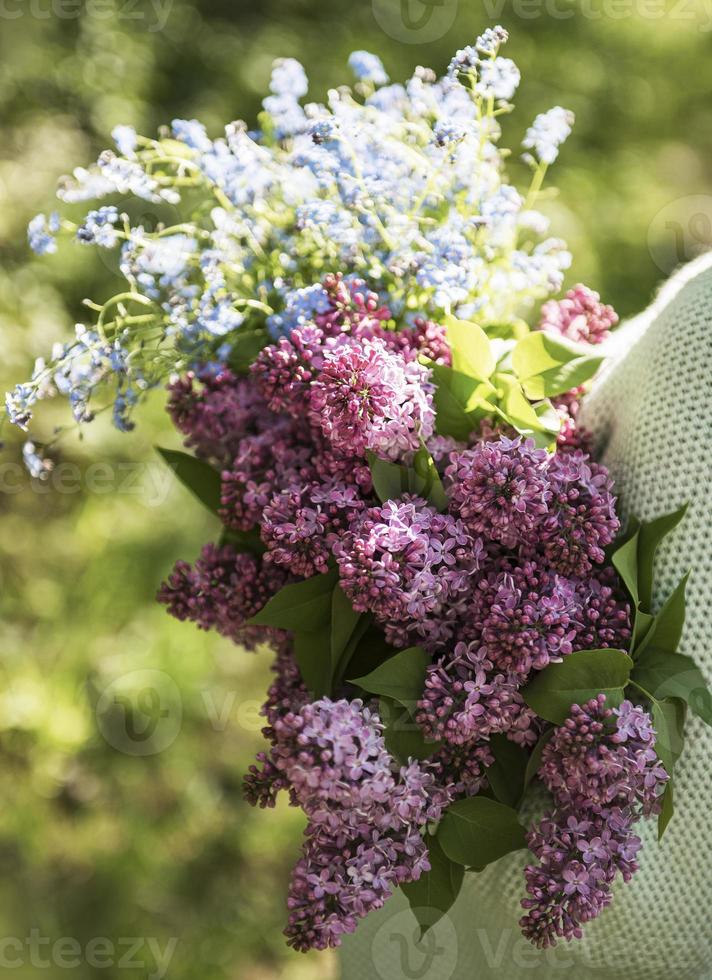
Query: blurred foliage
x,y
98,842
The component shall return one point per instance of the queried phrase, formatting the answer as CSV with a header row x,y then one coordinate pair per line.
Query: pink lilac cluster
x,y
302,524
368,398
467,699
580,316
363,836
603,772
411,567
221,591
560,505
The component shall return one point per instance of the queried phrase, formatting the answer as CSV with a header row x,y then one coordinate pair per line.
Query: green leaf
x,y
243,540
392,480
650,536
507,772
666,628
200,478
460,401
312,651
669,723
401,678
625,562
370,652
245,346
470,346
302,606
548,366
507,331
435,891
535,758
477,831
515,408
672,675
426,480
578,678
345,622
667,809
403,736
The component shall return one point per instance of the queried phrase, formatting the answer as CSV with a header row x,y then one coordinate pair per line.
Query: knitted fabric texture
x,y
650,412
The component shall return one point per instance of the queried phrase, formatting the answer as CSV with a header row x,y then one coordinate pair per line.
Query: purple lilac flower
x,y
215,410
580,857
301,524
467,698
352,307
363,834
264,464
462,767
284,370
411,567
603,772
604,612
500,489
604,757
528,617
367,398
579,316
221,591
581,519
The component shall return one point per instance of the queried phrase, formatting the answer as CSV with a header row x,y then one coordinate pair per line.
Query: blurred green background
x,y
104,836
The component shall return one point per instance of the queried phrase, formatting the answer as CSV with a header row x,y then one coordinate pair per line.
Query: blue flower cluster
x,y
401,184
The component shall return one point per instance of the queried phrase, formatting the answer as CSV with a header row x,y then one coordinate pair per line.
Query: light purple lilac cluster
x,y
363,835
603,772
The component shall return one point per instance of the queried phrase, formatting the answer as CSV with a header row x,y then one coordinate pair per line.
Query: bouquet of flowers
x,y
382,413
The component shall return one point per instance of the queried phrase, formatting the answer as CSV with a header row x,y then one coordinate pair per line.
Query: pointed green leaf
x,y
548,365
578,678
435,891
477,831
392,480
667,809
200,478
672,675
470,346
300,606
669,723
506,774
666,628
312,651
650,536
370,652
345,622
401,678
460,401
625,562
245,346
403,736
243,540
